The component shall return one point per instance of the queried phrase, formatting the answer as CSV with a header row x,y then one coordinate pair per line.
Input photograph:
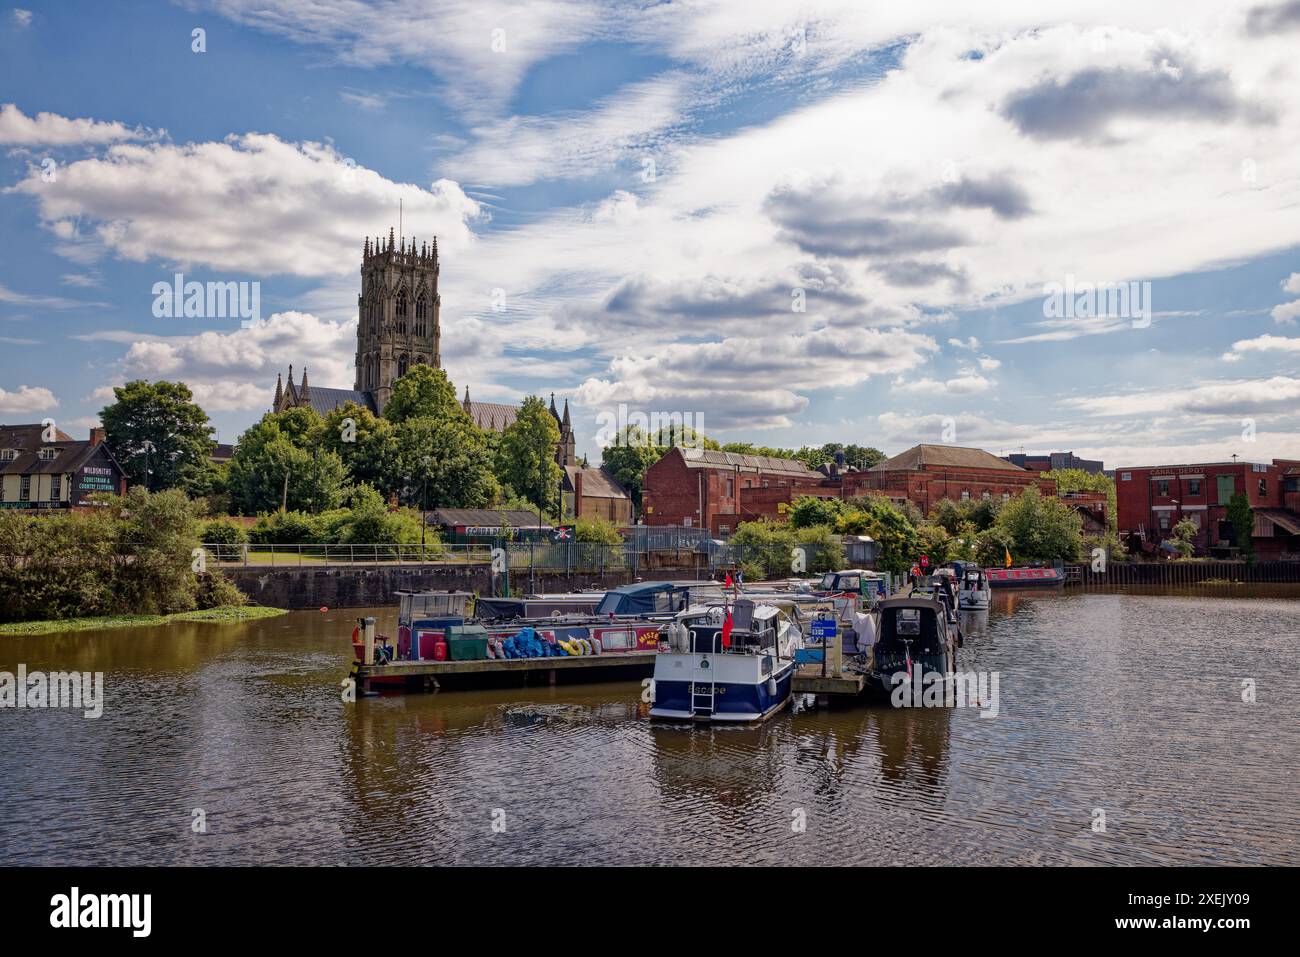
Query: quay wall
x,y
353,586
1179,573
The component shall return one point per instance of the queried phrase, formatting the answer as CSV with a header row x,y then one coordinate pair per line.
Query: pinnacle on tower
x,y
279,392
553,410
465,402
392,237
304,395
565,420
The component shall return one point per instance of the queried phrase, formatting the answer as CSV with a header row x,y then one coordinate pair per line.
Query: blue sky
x,y
630,200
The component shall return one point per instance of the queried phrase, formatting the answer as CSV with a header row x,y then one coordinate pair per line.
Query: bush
x,y
826,551
285,528
228,539
596,531
215,590
765,546
131,556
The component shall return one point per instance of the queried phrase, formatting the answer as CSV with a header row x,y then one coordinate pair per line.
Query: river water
x,y
231,744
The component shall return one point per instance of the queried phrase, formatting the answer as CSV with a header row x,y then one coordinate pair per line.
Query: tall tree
x,y
443,461
279,461
1242,519
366,443
627,458
526,456
423,391
159,428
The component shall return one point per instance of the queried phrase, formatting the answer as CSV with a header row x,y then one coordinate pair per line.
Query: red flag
x,y
726,630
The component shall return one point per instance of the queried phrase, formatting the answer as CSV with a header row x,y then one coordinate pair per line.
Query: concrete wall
x,y
351,586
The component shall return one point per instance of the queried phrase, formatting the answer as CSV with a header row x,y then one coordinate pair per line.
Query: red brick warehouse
x,y
719,490
927,474
1152,499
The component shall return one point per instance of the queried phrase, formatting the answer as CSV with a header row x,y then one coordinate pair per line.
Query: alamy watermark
x,y
179,299
927,688
684,429
79,690
1075,299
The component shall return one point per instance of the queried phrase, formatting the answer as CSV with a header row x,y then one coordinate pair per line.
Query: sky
x,y
790,223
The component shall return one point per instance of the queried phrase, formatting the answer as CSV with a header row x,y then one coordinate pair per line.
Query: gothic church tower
x,y
397,314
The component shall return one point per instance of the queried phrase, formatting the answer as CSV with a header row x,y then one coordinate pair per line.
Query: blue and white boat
x,y
697,679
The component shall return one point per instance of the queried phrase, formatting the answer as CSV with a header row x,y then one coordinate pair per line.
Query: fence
x,y
709,557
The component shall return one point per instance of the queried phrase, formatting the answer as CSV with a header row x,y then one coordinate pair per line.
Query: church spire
x,y
465,404
554,413
279,393
304,394
565,421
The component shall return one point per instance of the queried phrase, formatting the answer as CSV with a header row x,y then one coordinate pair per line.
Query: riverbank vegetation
x,y
224,613
137,554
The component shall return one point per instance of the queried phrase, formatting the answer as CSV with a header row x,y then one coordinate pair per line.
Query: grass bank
x,y
223,613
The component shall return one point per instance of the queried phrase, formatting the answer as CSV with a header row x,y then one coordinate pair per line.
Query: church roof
x,y
494,416
325,400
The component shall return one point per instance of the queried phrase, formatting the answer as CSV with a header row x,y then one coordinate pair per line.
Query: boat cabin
x,y
755,629
857,581
644,598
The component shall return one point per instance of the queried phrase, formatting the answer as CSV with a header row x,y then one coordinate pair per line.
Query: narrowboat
x,y
1024,577
913,639
725,663
972,586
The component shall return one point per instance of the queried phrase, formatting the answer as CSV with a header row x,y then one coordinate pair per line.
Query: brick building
x,y
928,474
1153,499
592,493
719,490
38,473
1049,461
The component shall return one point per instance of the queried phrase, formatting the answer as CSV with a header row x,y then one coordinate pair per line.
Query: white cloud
x,y
22,18
50,129
26,399
623,128
1243,397
253,204
236,370
1265,343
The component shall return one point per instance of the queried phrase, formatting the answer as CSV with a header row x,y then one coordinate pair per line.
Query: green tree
x,y
809,510
526,456
366,444
1183,533
765,548
891,529
279,463
826,553
1242,519
443,462
597,531
1077,480
423,392
1041,529
159,427
627,459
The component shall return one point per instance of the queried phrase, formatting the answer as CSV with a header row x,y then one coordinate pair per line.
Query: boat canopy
x,y
644,598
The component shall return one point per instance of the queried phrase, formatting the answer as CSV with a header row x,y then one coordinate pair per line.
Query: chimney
x,y
97,435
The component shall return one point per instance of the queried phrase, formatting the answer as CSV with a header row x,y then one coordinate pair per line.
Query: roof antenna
x,y
401,234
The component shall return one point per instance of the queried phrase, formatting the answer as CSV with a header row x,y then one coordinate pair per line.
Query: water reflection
x,y
1129,702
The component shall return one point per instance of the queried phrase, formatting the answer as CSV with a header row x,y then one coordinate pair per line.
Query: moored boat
x,y
725,663
914,639
1024,577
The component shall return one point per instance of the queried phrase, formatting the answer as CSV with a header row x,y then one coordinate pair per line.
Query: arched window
x,y
402,365
401,312
421,327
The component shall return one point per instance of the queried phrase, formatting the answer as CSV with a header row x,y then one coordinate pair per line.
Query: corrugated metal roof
x,y
712,459
949,456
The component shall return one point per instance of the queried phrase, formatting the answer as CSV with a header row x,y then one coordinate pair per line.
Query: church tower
x,y
397,313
